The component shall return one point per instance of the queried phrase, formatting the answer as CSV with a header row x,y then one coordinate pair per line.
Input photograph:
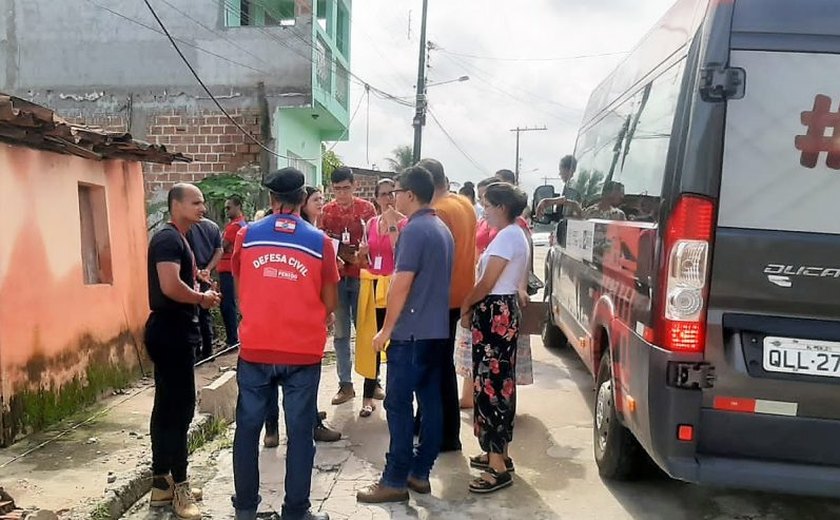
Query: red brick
x,y
231,129
199,139
211,158
223,138
211,139
255,148
205,129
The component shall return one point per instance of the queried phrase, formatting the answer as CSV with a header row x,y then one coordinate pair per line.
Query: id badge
x,y
377,263
345,238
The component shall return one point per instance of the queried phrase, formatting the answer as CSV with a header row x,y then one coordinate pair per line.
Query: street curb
x,y
130,488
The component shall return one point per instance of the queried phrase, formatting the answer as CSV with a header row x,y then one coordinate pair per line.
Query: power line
x,y
562,58
213,31
207,90
454,143
187,43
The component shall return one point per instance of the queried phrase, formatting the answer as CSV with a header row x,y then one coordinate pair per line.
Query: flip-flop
x,y
367,410
483,486
482,462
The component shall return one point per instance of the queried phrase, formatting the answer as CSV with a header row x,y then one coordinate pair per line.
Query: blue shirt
x,y
425,248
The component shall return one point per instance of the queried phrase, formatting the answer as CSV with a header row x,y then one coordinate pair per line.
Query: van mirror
x,y
543,192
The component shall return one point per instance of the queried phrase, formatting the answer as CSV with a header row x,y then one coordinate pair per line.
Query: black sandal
x,y
482,462
483,486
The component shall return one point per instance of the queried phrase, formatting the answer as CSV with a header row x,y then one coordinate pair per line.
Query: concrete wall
x,y
297,133
62,342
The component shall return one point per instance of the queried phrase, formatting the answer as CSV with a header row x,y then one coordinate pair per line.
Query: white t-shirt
x,y
512,245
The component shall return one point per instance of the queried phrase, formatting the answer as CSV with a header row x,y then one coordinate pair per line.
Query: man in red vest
x,y
287,280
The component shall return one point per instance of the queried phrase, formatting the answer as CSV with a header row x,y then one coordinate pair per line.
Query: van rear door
x,y
774,307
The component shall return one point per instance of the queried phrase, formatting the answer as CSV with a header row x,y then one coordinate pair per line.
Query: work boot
x,y
309,515
424,487
345,393
161,496
183,503
325,434
272,436
379,494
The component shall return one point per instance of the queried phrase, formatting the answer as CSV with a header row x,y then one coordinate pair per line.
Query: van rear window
x,y
781,163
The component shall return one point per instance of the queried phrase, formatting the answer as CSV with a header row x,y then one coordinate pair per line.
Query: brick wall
x,y
211,139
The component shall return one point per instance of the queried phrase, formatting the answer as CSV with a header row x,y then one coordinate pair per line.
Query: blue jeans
x,y
345,314
228,307
257,383
413,368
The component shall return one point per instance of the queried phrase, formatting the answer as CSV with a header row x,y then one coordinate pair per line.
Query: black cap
x,y
284,180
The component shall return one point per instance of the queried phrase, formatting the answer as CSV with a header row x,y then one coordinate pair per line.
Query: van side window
x,y
622,156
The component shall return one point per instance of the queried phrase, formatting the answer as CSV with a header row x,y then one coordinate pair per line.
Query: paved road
x,y
556,475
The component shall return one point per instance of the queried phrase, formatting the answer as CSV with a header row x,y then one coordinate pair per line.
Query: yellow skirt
x,y
370,299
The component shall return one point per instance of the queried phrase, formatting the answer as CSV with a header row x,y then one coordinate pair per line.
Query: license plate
x,y
802,356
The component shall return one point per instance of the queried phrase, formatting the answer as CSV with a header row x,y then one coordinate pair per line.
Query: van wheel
x,y
553,338
617,452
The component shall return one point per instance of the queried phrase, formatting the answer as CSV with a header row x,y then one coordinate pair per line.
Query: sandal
x,y
482,462
482,485
367,410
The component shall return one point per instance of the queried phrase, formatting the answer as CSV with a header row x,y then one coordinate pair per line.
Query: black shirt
x,y
177,320
204,238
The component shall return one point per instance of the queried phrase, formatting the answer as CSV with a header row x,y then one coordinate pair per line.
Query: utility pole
x,y
420,102
518,131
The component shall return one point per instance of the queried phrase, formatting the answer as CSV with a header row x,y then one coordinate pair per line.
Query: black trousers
x,y
371,384
448,391
205,348
174,404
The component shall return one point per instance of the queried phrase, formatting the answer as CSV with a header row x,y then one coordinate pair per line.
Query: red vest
x,y
279,263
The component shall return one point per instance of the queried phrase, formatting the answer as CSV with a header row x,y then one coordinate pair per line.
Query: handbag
x,y
534,284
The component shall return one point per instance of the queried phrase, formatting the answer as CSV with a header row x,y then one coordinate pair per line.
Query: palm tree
x,y
401,158
588,184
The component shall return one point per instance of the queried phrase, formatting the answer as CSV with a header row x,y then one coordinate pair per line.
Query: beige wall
x,y
52,325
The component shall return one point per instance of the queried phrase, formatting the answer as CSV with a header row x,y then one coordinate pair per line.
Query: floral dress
x,y
495,330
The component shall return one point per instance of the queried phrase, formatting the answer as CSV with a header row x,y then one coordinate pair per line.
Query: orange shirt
x,y
459,216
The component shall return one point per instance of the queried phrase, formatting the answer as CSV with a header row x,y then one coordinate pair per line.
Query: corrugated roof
x,y
26,124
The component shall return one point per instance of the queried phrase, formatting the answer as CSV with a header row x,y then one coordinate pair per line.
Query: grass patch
x,y
214,428
100,512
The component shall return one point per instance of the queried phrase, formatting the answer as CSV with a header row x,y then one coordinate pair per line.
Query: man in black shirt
x,y
205,240
172,336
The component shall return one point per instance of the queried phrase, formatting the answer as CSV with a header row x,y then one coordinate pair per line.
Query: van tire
x,y
553,338
617,452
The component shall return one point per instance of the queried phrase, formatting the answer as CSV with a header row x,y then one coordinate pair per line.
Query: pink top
x,y
381,250
484,234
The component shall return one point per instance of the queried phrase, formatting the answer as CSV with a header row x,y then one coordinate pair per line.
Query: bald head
x,y
186,203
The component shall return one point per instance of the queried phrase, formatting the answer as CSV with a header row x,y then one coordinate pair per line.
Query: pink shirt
x,y
381,250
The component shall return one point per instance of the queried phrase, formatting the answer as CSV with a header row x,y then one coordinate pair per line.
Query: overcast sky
x,y
504,90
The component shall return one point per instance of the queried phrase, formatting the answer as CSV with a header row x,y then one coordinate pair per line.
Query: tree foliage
x,y
401,158
329,162
219,188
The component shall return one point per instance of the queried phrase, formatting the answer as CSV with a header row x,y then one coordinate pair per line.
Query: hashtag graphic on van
x,y
815,142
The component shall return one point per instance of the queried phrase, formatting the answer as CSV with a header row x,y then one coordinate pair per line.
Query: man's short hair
x,y
506,176
236,200
341,174
418,181
435,167
177,192
487,182
612,187
569,163
290,198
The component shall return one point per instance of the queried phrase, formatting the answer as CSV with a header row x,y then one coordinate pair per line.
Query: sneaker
x,y
345,393
379,393
183,503
325,434
379,494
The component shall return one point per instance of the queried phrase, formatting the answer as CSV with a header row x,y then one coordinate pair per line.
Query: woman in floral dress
x,y
492,311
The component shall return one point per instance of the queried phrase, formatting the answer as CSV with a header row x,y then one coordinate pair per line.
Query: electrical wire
x,y
207,90
184,42
562,58
213,31
454,143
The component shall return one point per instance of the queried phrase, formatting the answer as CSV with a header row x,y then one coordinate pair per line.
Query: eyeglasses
x,y
399,191
386,194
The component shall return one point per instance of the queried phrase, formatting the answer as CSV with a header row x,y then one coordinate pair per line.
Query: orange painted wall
x,y
46,310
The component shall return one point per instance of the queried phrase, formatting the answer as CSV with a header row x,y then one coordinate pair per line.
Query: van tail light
x,y
681,325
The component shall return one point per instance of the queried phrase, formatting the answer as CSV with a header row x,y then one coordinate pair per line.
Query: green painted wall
x,y
297,134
